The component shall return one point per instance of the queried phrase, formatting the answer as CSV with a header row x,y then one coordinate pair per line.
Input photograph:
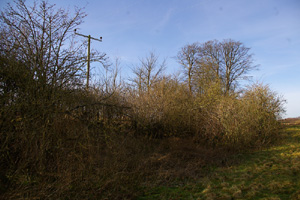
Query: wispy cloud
x,y
164,20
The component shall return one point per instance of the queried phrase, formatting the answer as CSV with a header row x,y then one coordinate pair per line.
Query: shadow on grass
x,y
271,173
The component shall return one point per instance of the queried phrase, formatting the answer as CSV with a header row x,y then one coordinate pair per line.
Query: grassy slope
x,y
273,173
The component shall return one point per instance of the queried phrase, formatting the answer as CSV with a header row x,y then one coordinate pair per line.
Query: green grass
x,y
272,173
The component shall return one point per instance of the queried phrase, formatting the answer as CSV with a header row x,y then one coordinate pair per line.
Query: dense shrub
x,y
235,121
61,140
245,121
163,111
70,139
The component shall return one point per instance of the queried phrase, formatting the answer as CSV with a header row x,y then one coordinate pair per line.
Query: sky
x,y
132,28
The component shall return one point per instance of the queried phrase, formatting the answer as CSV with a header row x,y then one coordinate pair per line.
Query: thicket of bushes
x,y
60,140
237,121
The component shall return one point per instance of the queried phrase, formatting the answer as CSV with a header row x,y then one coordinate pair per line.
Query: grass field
x,y
174,169
271,173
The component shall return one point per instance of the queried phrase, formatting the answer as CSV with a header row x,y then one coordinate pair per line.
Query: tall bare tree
x,y
226,62
187,57
210,53
207,70
42,36
148,72
42,63
237,62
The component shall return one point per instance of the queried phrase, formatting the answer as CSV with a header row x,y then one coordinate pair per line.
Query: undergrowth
x,y
172,168
271,173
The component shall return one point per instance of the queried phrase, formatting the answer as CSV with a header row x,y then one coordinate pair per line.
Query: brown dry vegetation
x,y
59,140
114,151
291,121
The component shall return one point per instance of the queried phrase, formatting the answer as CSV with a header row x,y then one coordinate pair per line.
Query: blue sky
x,y
132,28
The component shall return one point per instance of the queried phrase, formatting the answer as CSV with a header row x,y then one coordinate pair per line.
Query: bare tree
x,y
42,36
237,62
210,56
43,64
111,80
138,80
188,58
148,72
226,62
207,69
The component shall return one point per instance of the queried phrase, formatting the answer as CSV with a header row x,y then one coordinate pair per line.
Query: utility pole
x,y
88,55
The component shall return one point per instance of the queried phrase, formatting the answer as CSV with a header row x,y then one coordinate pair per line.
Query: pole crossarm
x,y
88,54
88,36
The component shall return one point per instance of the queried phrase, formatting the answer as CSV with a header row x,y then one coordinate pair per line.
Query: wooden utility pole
x,y
88,55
